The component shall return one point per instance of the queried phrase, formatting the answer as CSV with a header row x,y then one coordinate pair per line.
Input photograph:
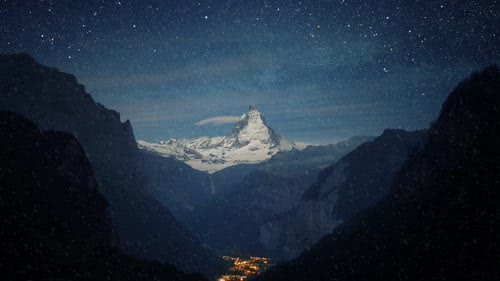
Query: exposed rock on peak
x,y
252,129
250,141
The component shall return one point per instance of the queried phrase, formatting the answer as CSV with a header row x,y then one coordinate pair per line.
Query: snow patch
x,y
250,141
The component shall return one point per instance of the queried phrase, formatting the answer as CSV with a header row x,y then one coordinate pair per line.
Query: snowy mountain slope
x,y
250,141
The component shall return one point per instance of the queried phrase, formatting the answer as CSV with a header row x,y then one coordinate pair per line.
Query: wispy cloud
x,y
223,68
219,120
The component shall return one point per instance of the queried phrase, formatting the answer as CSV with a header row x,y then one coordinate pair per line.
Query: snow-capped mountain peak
x,y
250,141
252,128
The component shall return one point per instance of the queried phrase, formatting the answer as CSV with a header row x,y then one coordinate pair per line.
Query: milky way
x,y
319,71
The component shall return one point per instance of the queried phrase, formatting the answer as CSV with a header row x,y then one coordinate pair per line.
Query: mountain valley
x,y
272,140
225,207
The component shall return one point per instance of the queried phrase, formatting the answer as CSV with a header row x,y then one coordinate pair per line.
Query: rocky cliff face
x,y
357,181
440,220
54,221
175,184
55,101
248,196
253,130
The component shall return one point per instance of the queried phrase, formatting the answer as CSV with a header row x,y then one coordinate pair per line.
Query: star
x,y
324,46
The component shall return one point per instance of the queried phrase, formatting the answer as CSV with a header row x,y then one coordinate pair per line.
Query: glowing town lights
x,y
243,268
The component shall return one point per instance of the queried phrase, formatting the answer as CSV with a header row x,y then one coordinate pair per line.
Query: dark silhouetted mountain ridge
x,y
54,222
55,101
442,218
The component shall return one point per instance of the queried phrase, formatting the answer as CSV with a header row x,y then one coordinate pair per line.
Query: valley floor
x,y
243,268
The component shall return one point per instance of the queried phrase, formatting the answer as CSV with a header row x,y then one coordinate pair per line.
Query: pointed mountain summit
x,y
252,130
251,141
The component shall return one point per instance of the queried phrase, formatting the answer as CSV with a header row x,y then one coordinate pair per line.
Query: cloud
x,y
219,120
223,68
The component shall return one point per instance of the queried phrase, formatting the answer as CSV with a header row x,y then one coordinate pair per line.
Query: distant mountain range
x,y
254,175
250,195
251,141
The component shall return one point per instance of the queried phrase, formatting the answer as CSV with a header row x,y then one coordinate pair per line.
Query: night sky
x,y
319,71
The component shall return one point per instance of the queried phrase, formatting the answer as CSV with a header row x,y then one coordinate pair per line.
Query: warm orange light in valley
x,y
243,268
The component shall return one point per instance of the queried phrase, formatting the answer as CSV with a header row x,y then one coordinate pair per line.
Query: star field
x,y
320,71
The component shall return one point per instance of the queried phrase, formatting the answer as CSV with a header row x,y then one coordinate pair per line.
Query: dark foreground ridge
x,y
54,100
54,222
442,217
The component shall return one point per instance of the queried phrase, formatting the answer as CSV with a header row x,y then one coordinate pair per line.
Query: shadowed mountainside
x,y
357,181
55,101
54,222
248,196
442,218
